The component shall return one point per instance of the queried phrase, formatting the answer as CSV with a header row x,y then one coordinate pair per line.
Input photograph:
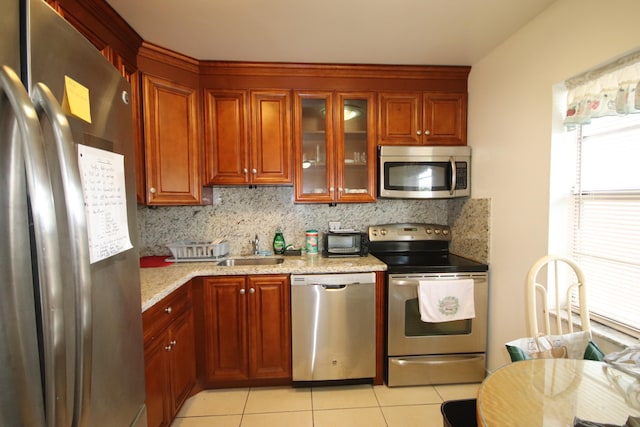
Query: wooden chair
x,y
551,280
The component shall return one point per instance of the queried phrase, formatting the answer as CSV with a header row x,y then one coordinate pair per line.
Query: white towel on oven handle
x,y
446,300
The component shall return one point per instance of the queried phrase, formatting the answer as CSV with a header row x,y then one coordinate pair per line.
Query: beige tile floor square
x,y
215,402
340,397
327,406
278,399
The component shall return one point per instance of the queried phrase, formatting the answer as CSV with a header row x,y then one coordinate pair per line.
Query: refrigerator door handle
x,y
46,247
17,305
45,101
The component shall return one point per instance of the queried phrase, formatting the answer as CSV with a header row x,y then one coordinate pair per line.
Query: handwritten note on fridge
x,y
105,201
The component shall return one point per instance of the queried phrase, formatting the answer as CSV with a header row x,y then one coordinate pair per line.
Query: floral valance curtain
x,y
609,91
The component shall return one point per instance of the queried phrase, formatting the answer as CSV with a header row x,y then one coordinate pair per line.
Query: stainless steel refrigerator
x,y
71,349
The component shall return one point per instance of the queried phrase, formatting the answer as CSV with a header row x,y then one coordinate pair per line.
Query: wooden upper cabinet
x,y
171,139
422,118
247,137
399,119
444,118
226,136
99,23
271,137
334,140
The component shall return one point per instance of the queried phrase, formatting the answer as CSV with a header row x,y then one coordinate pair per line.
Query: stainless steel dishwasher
x,y
333,326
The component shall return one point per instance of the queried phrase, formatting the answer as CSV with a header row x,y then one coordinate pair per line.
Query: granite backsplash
x,y
238,214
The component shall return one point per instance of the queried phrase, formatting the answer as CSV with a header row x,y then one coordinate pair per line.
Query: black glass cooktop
x,y
418,248
417,262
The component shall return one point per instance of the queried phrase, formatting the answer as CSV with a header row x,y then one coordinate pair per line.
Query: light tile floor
x,y
348,406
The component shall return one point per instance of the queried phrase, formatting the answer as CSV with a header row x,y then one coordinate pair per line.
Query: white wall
x,y
510,129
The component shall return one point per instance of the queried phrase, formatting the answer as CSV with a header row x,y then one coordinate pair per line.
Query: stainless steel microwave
x,y
420,172
343,243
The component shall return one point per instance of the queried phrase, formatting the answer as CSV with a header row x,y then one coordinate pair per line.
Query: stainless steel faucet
x,y
256,245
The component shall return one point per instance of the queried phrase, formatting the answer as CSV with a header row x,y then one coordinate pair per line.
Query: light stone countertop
x,y
156,283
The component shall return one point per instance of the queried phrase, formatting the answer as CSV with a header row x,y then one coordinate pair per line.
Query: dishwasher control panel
x,y
333,279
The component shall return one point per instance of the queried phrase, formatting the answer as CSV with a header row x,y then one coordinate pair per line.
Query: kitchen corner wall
x,y
469,222
239,213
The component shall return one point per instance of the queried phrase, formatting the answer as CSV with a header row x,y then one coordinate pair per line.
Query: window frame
x,y
580,201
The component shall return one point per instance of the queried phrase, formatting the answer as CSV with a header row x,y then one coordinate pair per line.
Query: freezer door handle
x,y
46,103
46,247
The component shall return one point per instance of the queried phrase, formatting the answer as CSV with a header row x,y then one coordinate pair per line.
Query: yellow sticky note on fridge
x,y
76,99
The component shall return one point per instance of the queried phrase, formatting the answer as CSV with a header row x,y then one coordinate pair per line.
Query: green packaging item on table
x,y
311,241
278,242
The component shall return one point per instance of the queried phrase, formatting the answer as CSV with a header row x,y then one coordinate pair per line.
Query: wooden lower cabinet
x,y
247,327
169,353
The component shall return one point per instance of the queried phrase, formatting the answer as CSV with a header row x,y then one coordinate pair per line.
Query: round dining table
x,y
553,392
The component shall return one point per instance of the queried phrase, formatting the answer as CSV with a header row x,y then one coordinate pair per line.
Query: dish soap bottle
x,y
278,242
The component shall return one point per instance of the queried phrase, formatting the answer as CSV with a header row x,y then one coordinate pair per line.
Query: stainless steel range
x,y
430,352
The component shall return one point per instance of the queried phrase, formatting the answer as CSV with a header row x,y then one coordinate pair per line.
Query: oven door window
x,y
414,327
417,176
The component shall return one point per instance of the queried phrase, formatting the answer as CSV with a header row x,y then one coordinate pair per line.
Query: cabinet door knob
x,y
152,190
427,132
254,171
419,132
242,291
168,347
252,291
173,343
168,310
245,171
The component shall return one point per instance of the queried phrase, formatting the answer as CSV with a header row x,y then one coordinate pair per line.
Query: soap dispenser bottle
x,y
278,242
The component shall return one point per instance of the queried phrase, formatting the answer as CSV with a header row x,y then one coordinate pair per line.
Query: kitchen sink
x,y
250,261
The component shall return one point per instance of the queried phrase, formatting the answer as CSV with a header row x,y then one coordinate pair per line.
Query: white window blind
x,y
606,218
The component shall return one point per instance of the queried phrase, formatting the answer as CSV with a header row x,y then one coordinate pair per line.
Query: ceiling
x,y
427,32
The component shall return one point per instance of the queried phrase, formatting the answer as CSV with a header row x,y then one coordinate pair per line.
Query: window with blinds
x,y
605,219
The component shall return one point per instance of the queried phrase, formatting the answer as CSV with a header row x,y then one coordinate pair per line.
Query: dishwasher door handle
x,y
330,287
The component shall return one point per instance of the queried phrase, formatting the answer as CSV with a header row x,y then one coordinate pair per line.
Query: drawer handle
x,y
171,345
168,310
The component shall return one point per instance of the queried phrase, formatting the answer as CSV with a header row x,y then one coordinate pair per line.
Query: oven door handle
x,y
416,282
434,361
403,282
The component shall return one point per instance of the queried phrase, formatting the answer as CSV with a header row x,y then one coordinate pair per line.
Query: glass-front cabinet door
x,y
334,147
355,147
313,142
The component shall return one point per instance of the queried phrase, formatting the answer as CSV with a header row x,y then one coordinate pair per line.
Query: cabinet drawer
x,y
156,319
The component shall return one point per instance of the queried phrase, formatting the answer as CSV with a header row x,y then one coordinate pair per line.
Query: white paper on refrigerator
x,y
105,201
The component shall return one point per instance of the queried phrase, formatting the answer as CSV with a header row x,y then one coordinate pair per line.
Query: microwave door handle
x,y
453,175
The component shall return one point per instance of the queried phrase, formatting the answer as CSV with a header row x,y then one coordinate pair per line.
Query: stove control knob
x,y
383,232
437,231
445,231
428,230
